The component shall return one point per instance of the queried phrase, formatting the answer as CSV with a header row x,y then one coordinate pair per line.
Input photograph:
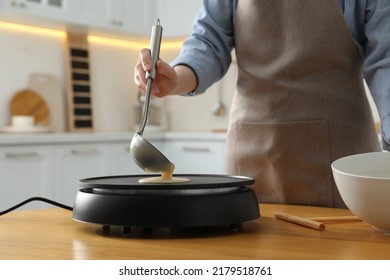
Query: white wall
x,y
195,113
22,53
114,92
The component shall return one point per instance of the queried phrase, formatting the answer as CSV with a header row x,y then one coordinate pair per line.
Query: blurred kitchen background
x,y
55,47
32,42
35,41
33,36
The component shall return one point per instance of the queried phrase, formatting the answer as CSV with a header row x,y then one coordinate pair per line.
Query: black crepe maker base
x,y
204,201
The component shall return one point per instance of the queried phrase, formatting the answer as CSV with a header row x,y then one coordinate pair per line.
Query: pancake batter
x,y
165,178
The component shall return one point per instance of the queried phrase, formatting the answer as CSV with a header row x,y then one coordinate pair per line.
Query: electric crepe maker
x,y
204,201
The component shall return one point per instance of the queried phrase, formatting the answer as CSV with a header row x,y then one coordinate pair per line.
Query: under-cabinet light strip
x,y
91,38
31,29
132,44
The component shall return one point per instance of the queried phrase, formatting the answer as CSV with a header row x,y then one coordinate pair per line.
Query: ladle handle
x,y
155,42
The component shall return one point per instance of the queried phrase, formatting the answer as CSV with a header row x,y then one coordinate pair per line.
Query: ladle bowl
x,y
146,156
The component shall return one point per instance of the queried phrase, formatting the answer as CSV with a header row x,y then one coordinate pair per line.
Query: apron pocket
x,y
290,161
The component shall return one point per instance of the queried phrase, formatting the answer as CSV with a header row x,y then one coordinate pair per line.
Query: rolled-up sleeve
x,y
376,54
207,51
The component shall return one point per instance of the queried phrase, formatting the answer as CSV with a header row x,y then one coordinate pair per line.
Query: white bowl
x,y
363,181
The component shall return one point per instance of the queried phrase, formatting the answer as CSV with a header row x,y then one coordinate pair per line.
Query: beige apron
x,y
299,102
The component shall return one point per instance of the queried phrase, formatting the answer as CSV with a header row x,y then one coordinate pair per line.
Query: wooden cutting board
x,y
29,103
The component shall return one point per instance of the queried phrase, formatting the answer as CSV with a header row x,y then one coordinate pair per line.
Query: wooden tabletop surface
x,y
52,234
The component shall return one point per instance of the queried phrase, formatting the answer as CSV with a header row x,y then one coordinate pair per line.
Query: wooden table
x,y
52,234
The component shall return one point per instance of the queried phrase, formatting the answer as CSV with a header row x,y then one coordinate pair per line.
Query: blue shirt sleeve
x,y
376,54
208,50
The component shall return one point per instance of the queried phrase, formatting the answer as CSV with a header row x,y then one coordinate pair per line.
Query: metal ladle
x,y
145,155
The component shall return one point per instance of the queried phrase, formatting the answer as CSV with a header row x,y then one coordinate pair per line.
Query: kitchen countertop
x,y
88,137
52,234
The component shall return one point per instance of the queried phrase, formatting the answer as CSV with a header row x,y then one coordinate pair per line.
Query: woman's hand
x,y
166,77
169,80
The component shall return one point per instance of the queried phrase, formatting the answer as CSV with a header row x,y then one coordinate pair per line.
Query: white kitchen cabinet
x,y
93,12
189,156
124,17
45,9
25,172
196,156
121,162
77,161
130,16
51,165
176,16
137,17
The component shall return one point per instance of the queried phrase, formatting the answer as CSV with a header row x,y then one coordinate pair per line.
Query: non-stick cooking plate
x,y
198,185
207,200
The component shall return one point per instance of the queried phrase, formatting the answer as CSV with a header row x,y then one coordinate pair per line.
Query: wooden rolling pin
x,y
300,221
316,223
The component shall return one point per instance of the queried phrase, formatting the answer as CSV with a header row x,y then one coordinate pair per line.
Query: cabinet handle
x,y
16,4
196,149
22,155
84,151
116,22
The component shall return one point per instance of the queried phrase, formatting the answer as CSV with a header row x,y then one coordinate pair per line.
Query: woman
x,y
299,102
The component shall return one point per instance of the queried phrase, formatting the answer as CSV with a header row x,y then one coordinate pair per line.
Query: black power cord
x,y
36,199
